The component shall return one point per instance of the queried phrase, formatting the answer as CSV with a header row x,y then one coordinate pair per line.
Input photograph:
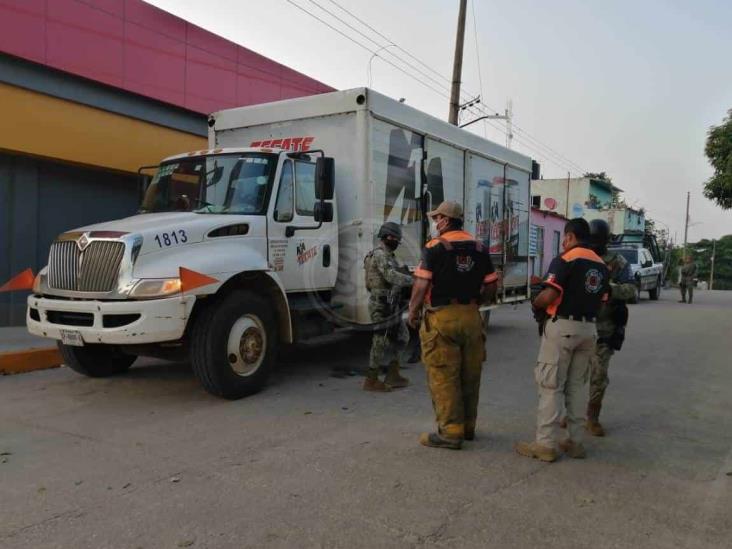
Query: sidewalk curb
x,y
29,360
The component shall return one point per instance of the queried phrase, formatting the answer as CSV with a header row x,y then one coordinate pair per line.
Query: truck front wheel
x,y
233,345
96,360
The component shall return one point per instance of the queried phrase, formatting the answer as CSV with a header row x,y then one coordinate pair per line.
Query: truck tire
x,y
96,360
233,345
655,293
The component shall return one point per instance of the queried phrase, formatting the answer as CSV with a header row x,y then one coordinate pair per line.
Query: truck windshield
x,y
221,184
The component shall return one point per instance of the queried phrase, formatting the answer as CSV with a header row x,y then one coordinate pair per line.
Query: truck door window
x,y
285,197
304,188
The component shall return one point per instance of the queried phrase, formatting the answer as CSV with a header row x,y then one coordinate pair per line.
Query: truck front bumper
x,y
111,322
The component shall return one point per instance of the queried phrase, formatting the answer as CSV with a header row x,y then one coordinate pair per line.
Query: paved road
x,y
150,460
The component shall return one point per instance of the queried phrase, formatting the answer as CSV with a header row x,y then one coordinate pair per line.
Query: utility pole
x,y
509,125
457,67
711,271
686,222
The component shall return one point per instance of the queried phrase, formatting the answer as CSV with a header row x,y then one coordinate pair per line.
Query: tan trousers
x,y
453,351
561,373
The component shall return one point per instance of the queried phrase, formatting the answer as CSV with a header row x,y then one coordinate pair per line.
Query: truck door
x,y
306,259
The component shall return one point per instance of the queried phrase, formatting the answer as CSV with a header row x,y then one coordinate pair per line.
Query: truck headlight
x,y
38,281
155,287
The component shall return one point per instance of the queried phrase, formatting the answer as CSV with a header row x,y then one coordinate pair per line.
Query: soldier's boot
x,y
435,440
393,379
372,383
469,432
593,424
573,449
536,450
415,355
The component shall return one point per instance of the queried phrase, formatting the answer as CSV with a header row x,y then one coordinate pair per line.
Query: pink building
x,y
546,239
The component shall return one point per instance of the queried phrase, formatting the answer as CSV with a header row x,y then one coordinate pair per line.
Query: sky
x,y
625,87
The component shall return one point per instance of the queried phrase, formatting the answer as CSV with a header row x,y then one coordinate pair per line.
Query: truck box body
x,y
394,163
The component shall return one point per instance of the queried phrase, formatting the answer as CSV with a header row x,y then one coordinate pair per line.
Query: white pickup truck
x,y
259,241
648,274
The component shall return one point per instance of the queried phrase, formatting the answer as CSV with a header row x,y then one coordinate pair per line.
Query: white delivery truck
x,y
259,241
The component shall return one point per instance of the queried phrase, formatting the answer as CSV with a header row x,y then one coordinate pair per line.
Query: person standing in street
x,y
573,289
688,279
611,321
384,281
452,279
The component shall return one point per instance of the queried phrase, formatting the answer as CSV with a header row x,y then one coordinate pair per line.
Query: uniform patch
x,y
593,281
464,263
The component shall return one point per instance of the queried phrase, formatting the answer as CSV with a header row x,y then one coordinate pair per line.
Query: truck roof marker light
x,y
22,281
190,280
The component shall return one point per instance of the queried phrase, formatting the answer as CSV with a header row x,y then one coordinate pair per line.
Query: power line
x,y
548,154
477,57
380,45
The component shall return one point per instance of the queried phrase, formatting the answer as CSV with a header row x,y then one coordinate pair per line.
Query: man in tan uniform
x,y
574,287
455,274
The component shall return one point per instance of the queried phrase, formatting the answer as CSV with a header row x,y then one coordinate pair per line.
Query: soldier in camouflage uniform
x,y
688,279
610,323
384,281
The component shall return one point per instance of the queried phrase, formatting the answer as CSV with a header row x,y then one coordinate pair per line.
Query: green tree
x,y
598,175
719,152
701,252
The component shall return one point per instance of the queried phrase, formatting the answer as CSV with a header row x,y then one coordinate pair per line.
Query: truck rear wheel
x,y
233,345
96,360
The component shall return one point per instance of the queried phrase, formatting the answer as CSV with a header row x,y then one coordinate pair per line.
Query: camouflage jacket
x,y
688,273
383,272
622,284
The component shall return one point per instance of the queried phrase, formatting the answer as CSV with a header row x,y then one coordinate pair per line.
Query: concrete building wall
x,y
562,196
551,228
134,46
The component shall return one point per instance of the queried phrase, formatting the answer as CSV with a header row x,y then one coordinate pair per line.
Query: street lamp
x,y
375,54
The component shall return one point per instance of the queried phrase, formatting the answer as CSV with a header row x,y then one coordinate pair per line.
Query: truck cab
x,y
224,241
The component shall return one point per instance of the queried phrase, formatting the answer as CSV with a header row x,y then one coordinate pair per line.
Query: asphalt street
x,y
149,460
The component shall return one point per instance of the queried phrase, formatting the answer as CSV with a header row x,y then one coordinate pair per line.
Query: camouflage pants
x,y
453,351
687,287
599,365
386,345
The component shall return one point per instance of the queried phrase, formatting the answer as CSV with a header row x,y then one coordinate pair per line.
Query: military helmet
x,y
599,231
390,229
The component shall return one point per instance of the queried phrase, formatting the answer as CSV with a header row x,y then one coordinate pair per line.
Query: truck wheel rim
x,y
247,345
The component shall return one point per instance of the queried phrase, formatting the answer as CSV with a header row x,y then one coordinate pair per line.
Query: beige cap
x,y
448,208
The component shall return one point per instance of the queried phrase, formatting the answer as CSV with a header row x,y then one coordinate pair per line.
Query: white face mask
x,y
434,233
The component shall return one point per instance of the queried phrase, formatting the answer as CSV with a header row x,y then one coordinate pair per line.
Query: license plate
x,y
72,337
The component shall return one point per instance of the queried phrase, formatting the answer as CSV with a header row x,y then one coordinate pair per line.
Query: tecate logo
x,y
291,143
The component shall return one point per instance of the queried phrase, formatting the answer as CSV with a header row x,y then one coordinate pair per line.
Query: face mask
x,y
437,227
434,233
391,244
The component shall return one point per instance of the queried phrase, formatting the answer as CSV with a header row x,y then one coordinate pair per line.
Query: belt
x,y
576,318
452,301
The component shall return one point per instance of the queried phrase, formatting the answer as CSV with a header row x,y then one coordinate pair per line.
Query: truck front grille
x,y
95,269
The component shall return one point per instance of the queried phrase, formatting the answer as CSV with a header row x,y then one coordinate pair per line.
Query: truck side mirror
x,y
323,212
324,178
